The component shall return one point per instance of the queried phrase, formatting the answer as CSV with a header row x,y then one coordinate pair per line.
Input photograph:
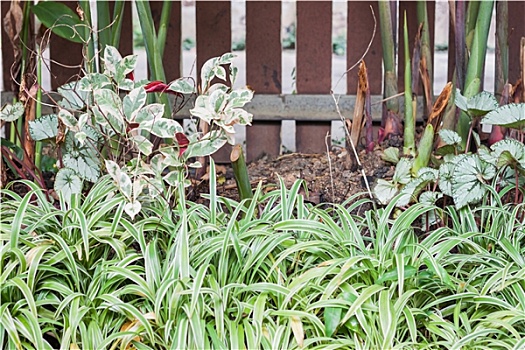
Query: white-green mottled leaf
x,y
469,177
67,182
108,109
162,127
132,208
509,152
206,146
143,144
391,154
43,128
207,72
133,102
68,119
220,72
82,158
81,137
461,101
450,137
227,58
94,81
149,112
412,189
481,104
445,178
72,97
402,173
182,85
11,112
240,97
511,116
172,178
385,191
111,60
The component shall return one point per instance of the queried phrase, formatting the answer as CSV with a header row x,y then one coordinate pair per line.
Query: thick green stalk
x,y
470,22
103,23
476,62
241,173
89,47
387,40
426,50
118,14
410,122
424,150
38,107
502,46
150,42
163,26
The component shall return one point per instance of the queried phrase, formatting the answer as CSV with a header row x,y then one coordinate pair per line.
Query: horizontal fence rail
x,y
312,106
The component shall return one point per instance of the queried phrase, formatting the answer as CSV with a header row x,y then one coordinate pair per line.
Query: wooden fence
x,y
311,107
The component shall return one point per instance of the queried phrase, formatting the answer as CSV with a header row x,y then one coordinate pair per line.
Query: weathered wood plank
x,y
263,72
314,68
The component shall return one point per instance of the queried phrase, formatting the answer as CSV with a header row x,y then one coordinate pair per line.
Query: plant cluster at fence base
x,y
465,177
276,272
104,121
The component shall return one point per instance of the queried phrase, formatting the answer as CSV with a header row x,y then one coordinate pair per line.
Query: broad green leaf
x,y
62,20
133,102
82,158
402,173
481,104
509,152
206,146
183,86
385,191
94,81
469,177
511,116
68,182
414,187
391,275
391,155
450,137
143,144
11,112
43,128
109,104
332,316
148,113
163,127
72,97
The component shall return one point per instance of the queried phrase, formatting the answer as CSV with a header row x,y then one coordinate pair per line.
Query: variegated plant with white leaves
x,y
105,124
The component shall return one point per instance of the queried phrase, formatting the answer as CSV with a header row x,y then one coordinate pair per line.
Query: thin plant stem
x,y
38,107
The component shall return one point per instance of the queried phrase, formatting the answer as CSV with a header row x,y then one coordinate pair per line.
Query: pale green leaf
x,y
68,182
43,128
511,116
11,112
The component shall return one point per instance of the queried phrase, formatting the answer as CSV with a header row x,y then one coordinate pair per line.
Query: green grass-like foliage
x,y
278,273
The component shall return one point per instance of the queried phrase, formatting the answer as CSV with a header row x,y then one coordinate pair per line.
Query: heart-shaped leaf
x,y
68,182
510,116
10,113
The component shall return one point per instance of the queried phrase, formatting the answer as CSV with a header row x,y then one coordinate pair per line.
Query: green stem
x,y
89,47
38,107
410,123
476,61
502,46
118,14
151,44
387,36
163,26
241,173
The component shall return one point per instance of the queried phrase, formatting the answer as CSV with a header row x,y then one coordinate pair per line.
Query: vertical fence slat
x,y
172,51
516,32
65,53
413,24
451,54
263,71
360,29
213,39
314,68
7,52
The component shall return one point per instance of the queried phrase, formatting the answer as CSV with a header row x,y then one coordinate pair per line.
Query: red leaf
x,y
183,142
156,86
